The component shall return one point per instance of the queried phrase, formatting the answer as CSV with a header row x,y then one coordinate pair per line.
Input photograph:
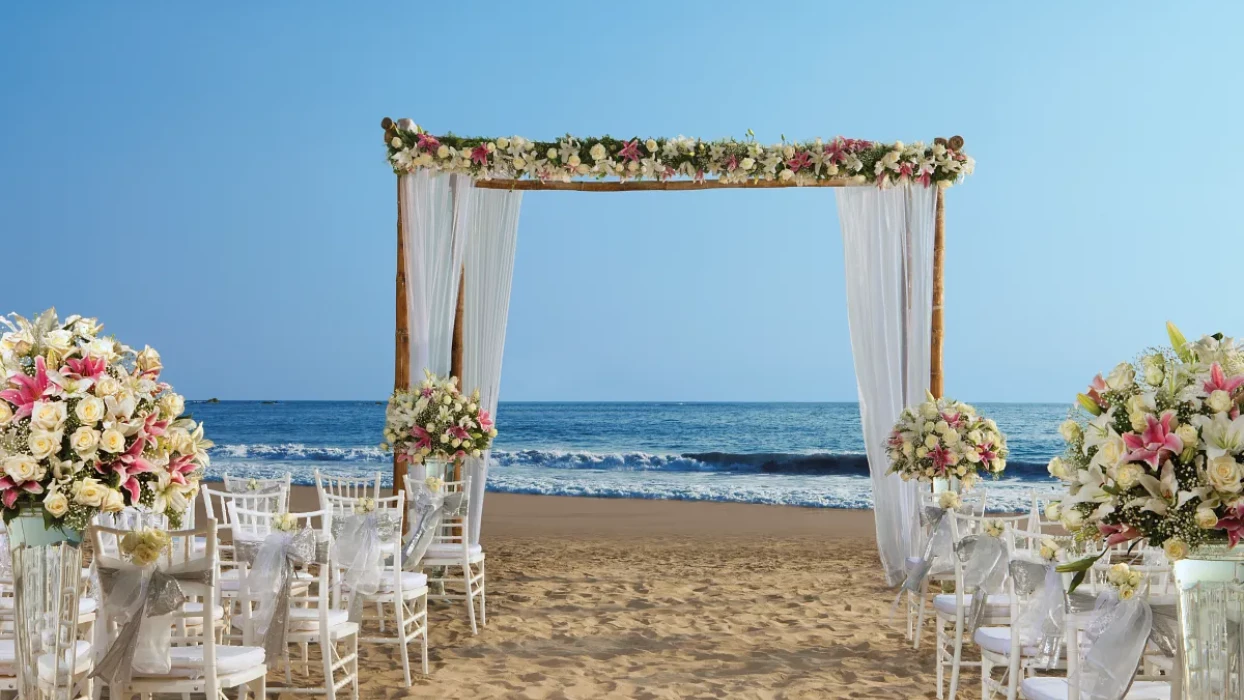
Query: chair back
x,y
240,484
1040,499
192,625
388,511
216,503
348,486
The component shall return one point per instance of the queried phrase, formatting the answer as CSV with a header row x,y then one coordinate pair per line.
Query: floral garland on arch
x,y
942,439
841,159
87,426
434,420
1154,450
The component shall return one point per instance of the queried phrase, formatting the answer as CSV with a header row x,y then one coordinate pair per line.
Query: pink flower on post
x,y
29,389
799,161
630,151
1117,534
479,154
1218,381
1156,442
428,143
1233,524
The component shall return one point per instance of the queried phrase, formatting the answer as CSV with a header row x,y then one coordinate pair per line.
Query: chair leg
x,y
424,636
940,641
354,669
380,614
483,596
954,669
986,670
470,596
328,649
924,601
306,659
398,605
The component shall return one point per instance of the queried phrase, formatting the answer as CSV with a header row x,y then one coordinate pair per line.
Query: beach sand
x,y
618,598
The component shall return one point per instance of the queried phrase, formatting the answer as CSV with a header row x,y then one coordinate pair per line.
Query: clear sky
x,y
209,178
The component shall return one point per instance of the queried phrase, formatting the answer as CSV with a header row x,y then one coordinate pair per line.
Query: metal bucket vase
x,y
1211,622
942,485
46,569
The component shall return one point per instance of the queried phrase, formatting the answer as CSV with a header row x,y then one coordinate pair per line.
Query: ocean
x,y
803,454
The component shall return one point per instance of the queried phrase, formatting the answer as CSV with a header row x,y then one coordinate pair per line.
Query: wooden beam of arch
x,y
653,185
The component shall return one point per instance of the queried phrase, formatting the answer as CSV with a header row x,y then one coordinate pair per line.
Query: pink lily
x,y
800,161
29,389
987,453
953,419
732,163
459,432
428,143
11,490
1233,524
1218,381
1117,534
152,428
630,151
1157,441
485,421
85,367
425,438
179,467
941,458
836,151
896,439
479,154
906,169
669,172
1095,389
128,464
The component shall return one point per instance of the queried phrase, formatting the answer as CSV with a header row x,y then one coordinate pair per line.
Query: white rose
x,y
101,348
48,414
1069,429
1057,468
112,441
84,440
6,413
172,405
1206,518
930,441
1224,474
574,161
56,504
1111,451
60,341
1121,377
106,385
396,142
1128,476
597,152
551,154
785,175
23,468
1053,511
113,502
1187,433
90,410
89,492
1175,549
442,152
43,443
928,410
651,145
503,142
1219,401
747,163
1154,375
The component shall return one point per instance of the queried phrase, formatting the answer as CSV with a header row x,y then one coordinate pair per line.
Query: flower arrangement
x,y
285,522
949,500
434,420
364,506
412,148
143,547
433,484
944,438
1154,449
1050,550
1124,580
995,528
86,426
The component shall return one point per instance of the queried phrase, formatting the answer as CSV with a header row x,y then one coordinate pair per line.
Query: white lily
x,y
1099,430
1220,434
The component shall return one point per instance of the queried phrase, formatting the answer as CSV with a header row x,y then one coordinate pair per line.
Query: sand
x,y
618,598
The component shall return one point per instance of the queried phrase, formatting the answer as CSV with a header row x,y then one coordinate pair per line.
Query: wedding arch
x,y
457,221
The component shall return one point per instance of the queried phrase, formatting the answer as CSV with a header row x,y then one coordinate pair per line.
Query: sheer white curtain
x,y
888,250
489,272
435,218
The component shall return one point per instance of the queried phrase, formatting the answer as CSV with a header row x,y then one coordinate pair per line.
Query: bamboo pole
x,y
936,378
401,336
652,185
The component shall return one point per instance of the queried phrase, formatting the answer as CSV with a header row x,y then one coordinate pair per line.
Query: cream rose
x,y
23,468
1123,376
747,163
172,405
1128,476
6,413
1154,375
598,152
44,443
1187,433
1224,474
60,340
1072,519
89,492
930,441
1219,401
90,410
1053,510
48,414
56,504
1206,518
1057,468
84,440
106,385
1070,430
1111,451
1175,549
112,441
101,348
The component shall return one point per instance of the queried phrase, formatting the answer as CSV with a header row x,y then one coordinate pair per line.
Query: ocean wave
x,y
299,452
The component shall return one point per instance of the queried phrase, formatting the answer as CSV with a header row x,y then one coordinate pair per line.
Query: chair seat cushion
x,y
196,608
410,581
188,661
998,640
998,604
449,550
1046,688
86,605
8,659
308,619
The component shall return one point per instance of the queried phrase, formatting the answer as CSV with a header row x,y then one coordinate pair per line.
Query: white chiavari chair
x,y
316,613
241,484
918,604
347,486
1040,499
198,663
951,608
451,549
403,592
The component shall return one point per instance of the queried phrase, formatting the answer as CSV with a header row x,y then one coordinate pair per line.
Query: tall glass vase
x,y
1211,622
46,569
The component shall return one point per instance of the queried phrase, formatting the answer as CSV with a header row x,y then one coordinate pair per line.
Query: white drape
x,y
489,272
888,251
435,220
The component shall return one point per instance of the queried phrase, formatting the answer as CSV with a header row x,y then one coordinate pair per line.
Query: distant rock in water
x,y
379,403
212,400
268,403
779,463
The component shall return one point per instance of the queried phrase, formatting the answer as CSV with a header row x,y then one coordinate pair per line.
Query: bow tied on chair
x,y
145,597
983,558
357,550
1118,633
271,577
429,510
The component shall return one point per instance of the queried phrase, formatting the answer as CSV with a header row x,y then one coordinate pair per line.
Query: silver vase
x,y
1211,622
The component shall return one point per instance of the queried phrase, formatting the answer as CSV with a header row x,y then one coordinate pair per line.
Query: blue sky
x,y
210,179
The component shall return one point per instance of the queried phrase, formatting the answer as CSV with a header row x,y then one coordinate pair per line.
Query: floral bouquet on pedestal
x,y
436,421
1154,449
945,439
86,426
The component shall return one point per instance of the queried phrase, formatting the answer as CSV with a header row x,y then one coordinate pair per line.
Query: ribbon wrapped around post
x,y
357,549
429,512
145,597
272,562
1118,633
983,558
